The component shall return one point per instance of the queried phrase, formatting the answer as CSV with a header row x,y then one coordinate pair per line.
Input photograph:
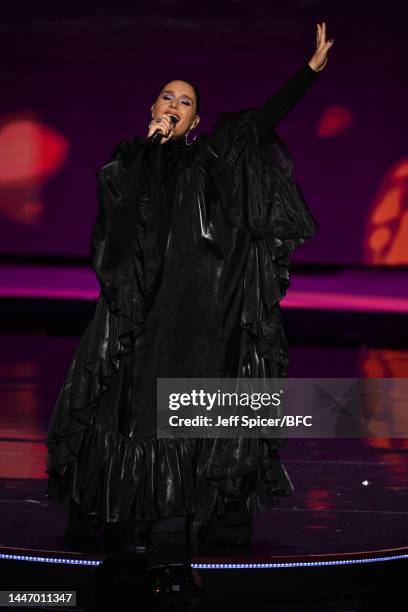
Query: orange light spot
x,y
389,206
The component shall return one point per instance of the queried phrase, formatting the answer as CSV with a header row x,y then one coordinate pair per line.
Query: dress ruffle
x,y
113,477
109,337
120,479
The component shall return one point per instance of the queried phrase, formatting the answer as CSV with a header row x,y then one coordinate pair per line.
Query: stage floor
x,y
350,497
350,494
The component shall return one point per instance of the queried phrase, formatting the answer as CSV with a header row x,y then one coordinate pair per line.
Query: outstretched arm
x,y
289,94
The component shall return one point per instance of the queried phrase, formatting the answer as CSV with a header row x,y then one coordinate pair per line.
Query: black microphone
x,y
157,135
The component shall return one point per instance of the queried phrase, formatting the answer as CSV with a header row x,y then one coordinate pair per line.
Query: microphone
x,y
157,135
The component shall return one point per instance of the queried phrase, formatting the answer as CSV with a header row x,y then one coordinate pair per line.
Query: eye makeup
x,y
187,100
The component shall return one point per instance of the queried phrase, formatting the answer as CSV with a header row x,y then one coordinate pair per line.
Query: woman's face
x,y
177,98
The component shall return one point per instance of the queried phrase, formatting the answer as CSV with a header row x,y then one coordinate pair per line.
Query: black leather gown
x,y
191,249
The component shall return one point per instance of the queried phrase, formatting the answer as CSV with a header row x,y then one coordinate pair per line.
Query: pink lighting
x,y
30,153
334,120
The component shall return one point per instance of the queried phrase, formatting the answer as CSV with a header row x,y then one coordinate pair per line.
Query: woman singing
x,y
190,247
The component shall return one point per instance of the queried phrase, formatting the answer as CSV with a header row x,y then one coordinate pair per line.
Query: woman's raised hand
x,y
164,124
319,58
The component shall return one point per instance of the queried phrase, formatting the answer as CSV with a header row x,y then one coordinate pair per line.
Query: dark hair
x,y
195,88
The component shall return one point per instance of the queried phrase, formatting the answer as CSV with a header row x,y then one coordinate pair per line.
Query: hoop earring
x,y
189,143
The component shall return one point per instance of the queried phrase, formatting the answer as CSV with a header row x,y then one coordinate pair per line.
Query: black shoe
x,y
174,587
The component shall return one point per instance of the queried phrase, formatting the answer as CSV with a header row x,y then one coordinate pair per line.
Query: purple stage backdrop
x,y
77,80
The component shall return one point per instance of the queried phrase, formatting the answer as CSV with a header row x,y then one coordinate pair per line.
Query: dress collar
x,y
180,144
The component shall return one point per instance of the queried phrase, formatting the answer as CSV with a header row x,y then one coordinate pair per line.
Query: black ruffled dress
x,y
190,247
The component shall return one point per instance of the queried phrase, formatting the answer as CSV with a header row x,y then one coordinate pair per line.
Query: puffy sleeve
x,y
117,233
255,180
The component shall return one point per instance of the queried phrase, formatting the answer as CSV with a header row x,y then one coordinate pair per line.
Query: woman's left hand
x,y
319,59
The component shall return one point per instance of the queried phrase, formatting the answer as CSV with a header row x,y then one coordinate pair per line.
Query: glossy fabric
x,y
190,247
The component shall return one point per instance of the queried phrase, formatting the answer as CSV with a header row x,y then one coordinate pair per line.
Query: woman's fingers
x,y
167,128
321,36
326,43
166,124
323,33
169,124
319,59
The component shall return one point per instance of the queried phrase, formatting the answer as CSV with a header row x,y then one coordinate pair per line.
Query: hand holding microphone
x,y
162,129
